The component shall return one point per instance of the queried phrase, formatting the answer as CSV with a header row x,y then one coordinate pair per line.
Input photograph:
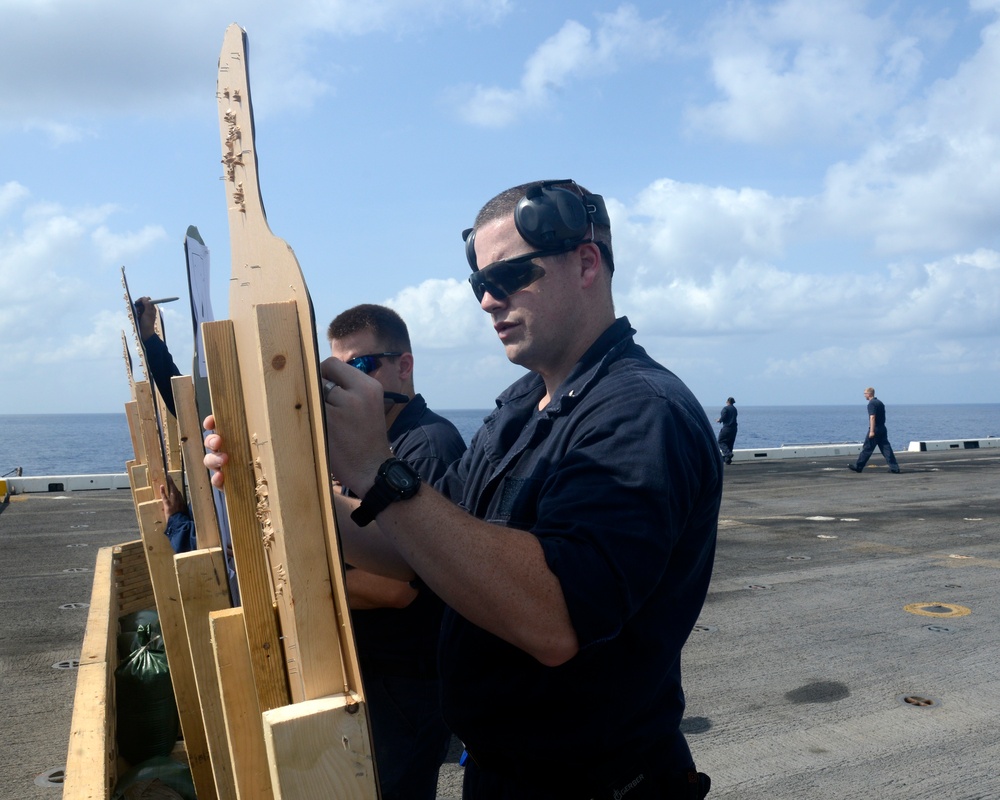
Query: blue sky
x,y
805,197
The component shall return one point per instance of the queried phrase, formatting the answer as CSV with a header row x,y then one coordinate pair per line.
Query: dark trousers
x,y
411,739
727,438
881,438
484,786
645,778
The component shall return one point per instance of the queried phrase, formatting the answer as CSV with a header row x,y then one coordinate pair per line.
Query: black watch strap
x,y
395,480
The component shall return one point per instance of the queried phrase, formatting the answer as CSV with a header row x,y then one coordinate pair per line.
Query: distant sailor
x,y
727,434
878,434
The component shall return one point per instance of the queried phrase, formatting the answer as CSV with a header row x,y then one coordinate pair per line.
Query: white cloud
x,y
459,360
55,274
958,295
706,261
59,133
869,358
692,229
442,314
770,266
97,339
71,64
572,53
933,183
355,19
11,193
797,68
116,248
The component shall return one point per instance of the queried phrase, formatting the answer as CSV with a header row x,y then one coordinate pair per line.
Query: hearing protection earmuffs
x,y
553,215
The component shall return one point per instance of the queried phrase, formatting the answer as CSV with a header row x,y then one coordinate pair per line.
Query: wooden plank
x,y
199,483
256,595
128,366
92,754
132,417
291,512
202,586
91,760
265,270
138,475
131,579
132,586
320,748
150,434
177,476
171,435
240,709
160,557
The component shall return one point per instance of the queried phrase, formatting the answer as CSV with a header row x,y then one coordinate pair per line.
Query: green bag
x,y
129,624
160,777
145,709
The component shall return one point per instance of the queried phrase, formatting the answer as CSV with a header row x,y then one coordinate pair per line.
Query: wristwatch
x,y
396,480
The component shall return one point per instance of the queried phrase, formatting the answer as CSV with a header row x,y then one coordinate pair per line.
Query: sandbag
x,y
157,778
128,626
145,708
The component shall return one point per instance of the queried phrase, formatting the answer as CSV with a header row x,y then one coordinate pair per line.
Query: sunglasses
x,y
369,363
503,278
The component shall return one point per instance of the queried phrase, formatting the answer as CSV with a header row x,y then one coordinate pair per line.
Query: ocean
x,y
88,444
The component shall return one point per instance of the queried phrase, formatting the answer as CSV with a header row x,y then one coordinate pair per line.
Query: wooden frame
x,y
264,714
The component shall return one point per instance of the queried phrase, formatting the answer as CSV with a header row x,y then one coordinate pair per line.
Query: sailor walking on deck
x,y
727,434
878,434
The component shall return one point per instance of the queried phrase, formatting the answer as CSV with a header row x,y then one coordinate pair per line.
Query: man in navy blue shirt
x,y
573,542
878,434
396,622
727,434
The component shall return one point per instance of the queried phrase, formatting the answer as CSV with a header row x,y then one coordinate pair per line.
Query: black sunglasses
x,y
503,278
369,363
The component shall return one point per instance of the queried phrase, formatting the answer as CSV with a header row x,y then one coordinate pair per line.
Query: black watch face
x,y
400,477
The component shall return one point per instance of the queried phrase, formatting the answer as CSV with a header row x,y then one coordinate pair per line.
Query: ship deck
x,y
847,647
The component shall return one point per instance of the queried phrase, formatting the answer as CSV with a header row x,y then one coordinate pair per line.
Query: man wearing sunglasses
x,y
396,623
573,542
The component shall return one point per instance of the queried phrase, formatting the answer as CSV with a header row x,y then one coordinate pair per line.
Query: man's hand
x,y
215,459
173,500
147,317
355,424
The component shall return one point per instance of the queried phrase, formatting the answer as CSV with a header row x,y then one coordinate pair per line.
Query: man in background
x,y
397,623
878,434
727,433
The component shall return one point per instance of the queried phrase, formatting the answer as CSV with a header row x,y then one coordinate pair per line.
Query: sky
x,y
805,197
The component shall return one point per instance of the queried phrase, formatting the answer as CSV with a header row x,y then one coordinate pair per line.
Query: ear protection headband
x,y
553,215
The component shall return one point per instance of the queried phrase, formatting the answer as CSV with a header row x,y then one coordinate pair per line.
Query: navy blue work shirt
x,y
620,479
161,366
402,642
876,408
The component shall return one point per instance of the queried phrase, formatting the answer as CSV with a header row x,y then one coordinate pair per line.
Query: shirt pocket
x,y
516,502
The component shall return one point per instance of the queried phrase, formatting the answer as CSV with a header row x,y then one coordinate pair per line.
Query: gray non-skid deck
x,y
834,658
831,661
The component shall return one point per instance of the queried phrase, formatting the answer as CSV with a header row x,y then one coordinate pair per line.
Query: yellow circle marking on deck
x,y
930,609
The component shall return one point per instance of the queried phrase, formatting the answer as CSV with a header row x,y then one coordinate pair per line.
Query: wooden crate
x,y
121,586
